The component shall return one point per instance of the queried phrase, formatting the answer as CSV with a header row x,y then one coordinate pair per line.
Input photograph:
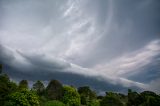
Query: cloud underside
x,y
116,72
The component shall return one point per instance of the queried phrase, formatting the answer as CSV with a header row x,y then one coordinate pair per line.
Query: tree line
x,y
57,94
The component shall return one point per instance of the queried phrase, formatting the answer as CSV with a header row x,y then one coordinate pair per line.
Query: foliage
x,y
22,98
100,97
6,87
71,97
146,98
123,98
23,85
39,88
42,100
86,94
111,99
93,103
133,98
54,90
54,103
150,99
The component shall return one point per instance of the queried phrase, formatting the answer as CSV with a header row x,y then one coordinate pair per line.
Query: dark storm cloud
x,y
103,43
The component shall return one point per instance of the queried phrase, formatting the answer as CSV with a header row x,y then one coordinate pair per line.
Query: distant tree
x,y
71,97
54,103
39,87
22,98
54,90
148,93
111,99
86,94
23,84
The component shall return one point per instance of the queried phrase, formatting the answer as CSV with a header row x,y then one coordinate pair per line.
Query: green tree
x,y
22,98
23,84
54,90
71,97
94,103
123,98
111,99
134,98
150,99
54,103
6,87
39,87
86,94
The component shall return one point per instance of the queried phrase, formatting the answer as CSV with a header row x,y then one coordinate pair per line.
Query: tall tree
x,y
134,98
23,84
86,94
54,90
39,87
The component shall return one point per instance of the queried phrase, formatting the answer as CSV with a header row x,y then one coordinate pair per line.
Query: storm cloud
x,y
107,44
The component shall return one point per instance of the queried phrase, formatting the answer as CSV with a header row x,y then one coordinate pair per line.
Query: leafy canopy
x,y
22,98
71,97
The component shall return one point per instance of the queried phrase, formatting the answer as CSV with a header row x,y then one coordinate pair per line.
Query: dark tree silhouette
x,y
39,87
86,94
54,90
23,84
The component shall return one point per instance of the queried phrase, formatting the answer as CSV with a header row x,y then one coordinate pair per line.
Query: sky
x,y
110,45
